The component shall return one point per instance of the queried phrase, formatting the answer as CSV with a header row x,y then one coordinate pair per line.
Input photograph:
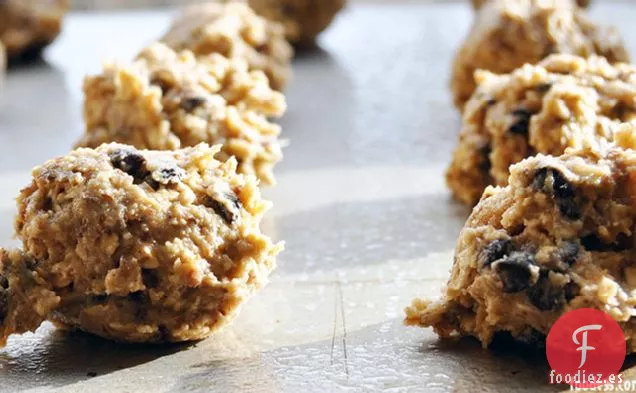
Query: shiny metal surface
x,y
361,204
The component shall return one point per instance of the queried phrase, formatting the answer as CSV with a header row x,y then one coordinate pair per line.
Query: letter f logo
x,y
583,344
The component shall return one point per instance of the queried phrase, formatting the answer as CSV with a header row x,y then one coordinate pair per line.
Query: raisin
x,y
571,290
592,242
516,271
150,278
140,300
99,298
544,87
163,85
169,174
31,264
495,251
229,214
189,104
491,102
568,253
546,296
4,303
130,162
4,282
522,123
560,189
164,333
484,164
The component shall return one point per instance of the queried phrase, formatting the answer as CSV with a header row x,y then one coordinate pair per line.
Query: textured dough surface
x,y
560,236
303,19
510,33
167,100
138,246
234,31
544,108
27,26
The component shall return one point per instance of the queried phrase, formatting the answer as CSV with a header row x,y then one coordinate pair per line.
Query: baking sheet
x,y
361,204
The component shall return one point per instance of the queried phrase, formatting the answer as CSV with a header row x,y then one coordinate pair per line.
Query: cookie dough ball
x,y
137,246
544,108
234,31
28,26
581,3
559,237
167,100
303,19
510,33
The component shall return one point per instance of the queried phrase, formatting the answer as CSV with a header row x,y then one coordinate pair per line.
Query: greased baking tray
x,y
361,204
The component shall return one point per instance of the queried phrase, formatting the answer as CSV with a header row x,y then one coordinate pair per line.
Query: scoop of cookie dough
x,y
28,26
234,31
167,100
303,19
581,3
136,246
510,33
558,238
544,108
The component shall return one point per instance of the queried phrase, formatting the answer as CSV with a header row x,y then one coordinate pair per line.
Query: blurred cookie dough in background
x,y
544,108
303,19
509,33
166,100
582,3
234,31
28,26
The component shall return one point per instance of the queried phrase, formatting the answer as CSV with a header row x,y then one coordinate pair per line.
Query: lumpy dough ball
x,y
510,33
581,3
28,26
167,100
136,246
542,108
303,19
234,31
559,237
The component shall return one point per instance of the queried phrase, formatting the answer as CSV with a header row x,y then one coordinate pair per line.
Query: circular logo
x,y
585,349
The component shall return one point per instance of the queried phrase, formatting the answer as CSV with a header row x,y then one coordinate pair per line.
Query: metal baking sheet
x,y
361,204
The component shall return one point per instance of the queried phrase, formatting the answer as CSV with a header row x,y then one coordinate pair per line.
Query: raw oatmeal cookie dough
x,y
234,31
544,108
510,33
303,19
167,100
27,26
136,246
560,237
581,3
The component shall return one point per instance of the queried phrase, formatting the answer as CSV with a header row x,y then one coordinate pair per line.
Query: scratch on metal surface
x,y
335,324
344,329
